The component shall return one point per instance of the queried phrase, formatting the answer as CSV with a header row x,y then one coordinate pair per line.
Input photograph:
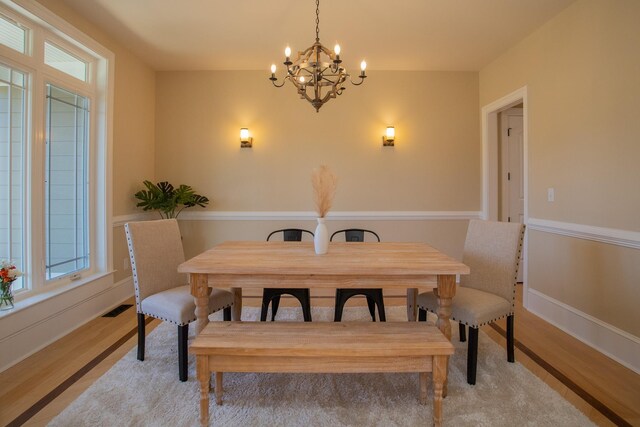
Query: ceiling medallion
x,y
316,73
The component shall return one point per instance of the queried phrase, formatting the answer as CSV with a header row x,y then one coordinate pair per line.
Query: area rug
x,y
134,393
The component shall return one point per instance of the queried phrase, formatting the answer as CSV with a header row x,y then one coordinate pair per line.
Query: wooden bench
x,y
318,347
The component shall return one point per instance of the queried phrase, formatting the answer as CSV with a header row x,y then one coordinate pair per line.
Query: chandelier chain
x,y
317,20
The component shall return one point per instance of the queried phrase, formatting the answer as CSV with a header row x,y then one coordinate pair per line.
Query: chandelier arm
x,y
360,82
279,85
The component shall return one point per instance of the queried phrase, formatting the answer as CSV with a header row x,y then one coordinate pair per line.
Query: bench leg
x,y
219,388
423,388
203,374
439,380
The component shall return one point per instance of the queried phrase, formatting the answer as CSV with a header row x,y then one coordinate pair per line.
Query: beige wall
x,y
581,69
133,124
435,165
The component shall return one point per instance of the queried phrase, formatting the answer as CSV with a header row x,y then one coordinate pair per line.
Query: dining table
x,y
410,266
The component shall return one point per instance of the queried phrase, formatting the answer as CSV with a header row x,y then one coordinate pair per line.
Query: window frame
x,y
43,26
26,153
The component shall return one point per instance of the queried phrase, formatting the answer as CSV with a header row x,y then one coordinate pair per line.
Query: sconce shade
x,y
245,140
389,137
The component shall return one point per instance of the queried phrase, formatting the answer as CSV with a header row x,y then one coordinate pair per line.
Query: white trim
x,y
338,215
33,328
612,236
615,343
507,101
121,220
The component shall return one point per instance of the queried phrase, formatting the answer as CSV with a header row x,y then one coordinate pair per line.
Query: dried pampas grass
x,y
324,189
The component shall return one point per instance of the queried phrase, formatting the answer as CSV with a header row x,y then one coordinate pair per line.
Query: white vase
x,y
321,238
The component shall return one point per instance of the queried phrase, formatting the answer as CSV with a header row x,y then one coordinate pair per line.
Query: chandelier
x,y
316,73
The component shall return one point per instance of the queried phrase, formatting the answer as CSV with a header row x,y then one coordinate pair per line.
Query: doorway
x,y
511,159
505,165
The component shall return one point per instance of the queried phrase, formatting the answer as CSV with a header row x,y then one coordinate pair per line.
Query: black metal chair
x,y
374,296
272,295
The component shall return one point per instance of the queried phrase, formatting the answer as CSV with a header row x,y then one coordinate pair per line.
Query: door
x,y
511,176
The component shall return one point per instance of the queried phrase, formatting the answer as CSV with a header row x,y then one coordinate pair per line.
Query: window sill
x,y
50,293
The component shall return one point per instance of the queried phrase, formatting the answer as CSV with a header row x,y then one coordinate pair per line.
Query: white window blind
x,y
64,61
13,35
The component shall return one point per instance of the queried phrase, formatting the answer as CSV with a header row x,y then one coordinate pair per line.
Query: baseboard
x,y
615,343
28,333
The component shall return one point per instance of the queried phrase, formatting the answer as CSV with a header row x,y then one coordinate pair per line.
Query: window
x,y
64,61
54,152
12,34
66,182
12,141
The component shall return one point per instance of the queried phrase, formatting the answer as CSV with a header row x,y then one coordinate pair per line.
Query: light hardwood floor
x,y
25,386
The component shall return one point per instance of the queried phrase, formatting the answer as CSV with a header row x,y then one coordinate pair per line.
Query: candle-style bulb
x,y
287,51
336,49
363,65
273,68
301,79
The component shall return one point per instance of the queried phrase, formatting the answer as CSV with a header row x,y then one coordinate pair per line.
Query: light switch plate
x,y
551,194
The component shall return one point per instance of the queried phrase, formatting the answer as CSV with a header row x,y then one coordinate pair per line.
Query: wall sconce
x,y
245,140
389,137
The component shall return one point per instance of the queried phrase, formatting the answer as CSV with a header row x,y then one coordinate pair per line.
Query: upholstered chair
x,y
155,250
272,295
492,252
374,296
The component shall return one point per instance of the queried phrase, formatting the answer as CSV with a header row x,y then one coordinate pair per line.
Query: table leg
x,y
446,291
200,291
237,303
219,389
412,304
203,374
439,380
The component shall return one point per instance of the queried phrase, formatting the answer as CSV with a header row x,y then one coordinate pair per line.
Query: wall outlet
x,y
126,265
551,194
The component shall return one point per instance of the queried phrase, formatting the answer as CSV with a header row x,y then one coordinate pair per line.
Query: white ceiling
x,y
252,34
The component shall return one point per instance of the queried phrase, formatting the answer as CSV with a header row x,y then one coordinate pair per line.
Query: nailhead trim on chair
x,y
188,321
471,325
134,271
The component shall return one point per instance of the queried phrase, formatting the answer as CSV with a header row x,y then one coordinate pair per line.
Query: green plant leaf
x,y
166,199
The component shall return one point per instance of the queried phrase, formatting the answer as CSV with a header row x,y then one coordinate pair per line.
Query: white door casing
x,y
511,171
490,164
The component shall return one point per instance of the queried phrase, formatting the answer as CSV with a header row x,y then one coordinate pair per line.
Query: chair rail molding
x,y
612,236
335,215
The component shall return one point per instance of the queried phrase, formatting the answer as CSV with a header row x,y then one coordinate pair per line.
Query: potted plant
x,y
8,274
168,200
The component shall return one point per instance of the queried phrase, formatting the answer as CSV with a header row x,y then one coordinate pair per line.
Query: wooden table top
x,y
343,259
317,339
